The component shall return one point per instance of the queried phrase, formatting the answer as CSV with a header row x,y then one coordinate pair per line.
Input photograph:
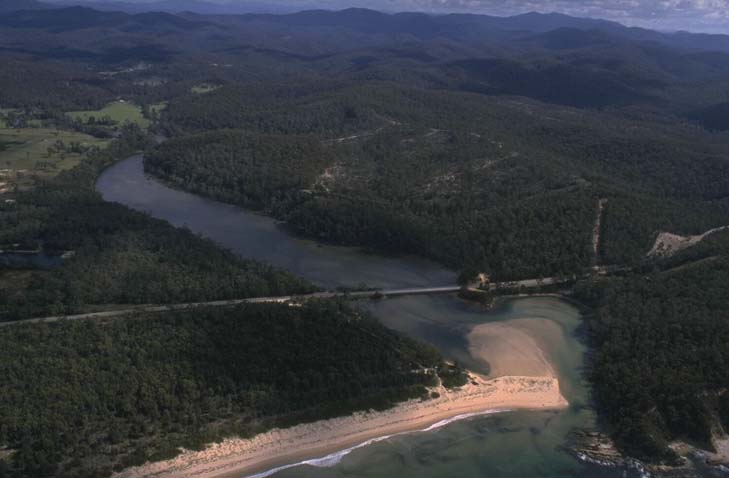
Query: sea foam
x,y
334,458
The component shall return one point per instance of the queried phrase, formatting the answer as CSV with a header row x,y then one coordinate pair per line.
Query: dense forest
x,y
461,178
232,166
484,143
120,256
661,348
109,395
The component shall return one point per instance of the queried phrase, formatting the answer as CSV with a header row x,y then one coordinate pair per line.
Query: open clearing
x,y
668,244
204,88
24,154
119,112
158,107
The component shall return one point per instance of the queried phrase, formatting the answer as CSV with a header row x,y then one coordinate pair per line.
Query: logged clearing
x,y
668,244
203,88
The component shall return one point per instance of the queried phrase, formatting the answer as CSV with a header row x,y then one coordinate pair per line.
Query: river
x,y
514,444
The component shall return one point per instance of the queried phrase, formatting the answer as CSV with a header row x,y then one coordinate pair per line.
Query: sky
x,y
666,15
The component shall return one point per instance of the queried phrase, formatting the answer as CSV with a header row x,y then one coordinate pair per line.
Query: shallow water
x,y
514,444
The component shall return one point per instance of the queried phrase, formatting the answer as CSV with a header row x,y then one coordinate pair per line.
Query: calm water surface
x,y
514,444
259,237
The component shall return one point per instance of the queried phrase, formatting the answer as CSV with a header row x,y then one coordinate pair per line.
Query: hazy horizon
x,y
708,16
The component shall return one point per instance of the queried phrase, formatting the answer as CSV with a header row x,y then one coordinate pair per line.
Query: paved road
x,y
253,300
369,294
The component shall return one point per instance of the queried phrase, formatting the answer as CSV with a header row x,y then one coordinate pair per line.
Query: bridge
x,y
293,299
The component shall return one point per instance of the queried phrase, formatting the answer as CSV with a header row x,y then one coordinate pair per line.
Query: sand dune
x,y
236,457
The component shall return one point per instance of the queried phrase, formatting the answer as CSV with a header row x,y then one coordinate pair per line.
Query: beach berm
x,y
236,457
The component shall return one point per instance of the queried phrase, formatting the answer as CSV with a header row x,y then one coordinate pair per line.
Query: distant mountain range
x,y
7,6
168,6
420,25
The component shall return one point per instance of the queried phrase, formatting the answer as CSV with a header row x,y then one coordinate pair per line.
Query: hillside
x,y
7,6
486,144
108,396
463,178
660,353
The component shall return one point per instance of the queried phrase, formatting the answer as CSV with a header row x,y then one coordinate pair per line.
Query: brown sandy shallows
x,y
513,347
235,457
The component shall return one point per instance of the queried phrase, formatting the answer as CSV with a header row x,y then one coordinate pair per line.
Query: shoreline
x,y
325,442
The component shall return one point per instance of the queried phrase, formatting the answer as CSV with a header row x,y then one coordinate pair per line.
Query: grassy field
x,y
158,107
24,154
203,88
118,111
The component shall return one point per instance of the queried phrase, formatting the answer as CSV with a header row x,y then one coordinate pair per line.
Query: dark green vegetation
x,y
232,166
661,340
714,117
483,143
106,396
469,180
120,256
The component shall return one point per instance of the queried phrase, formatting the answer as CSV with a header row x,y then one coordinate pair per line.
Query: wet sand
x,y
513,347
235,457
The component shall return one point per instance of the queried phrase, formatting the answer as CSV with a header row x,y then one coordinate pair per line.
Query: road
x,y
293,299
596,229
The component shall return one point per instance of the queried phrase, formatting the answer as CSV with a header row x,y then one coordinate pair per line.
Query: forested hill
x,y
257,171
661,350
7,6
464,178
107,396
433,135
119,256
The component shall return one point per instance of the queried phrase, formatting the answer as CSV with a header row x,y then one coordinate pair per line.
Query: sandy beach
x,y
522,376
237,457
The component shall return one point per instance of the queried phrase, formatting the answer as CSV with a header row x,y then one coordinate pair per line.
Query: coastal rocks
x,y
598,449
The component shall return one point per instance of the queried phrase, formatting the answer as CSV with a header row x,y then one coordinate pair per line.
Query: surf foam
x,y
334,458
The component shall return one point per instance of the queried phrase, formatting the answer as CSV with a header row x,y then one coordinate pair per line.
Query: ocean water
x,y
511,444
519,444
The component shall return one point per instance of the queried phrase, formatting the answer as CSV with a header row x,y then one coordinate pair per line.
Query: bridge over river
x,y
373,294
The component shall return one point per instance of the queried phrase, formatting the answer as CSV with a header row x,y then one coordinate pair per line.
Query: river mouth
x,y
518,444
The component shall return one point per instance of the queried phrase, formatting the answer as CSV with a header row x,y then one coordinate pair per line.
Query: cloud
x,y
696,15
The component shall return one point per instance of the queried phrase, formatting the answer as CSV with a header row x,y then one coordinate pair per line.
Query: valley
x,y
255,230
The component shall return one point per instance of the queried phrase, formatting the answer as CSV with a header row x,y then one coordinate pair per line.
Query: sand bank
x,y
513,347
237,457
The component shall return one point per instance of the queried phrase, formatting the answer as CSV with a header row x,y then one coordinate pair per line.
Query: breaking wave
x,y
334,458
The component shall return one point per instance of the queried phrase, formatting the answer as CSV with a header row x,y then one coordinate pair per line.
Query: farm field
x,y
119,112
25,155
